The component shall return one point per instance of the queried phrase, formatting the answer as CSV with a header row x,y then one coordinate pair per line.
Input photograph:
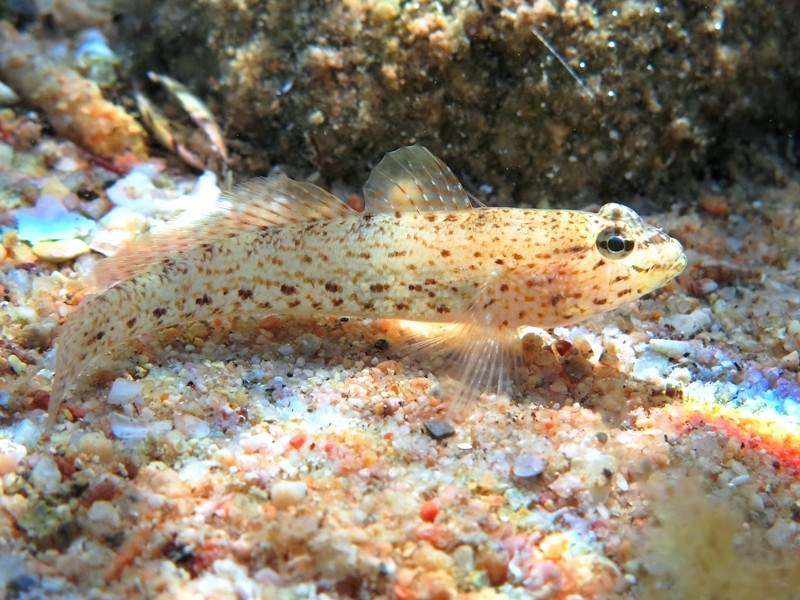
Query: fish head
x,y
601,262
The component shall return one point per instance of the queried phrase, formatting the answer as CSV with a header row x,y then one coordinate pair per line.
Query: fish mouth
x,y
679,264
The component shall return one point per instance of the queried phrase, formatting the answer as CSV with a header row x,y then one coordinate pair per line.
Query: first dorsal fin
x,y
255,204
412,179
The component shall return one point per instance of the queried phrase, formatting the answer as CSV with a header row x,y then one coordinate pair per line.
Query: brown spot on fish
x,y
288,290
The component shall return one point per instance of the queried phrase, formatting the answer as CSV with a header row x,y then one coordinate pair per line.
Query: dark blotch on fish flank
x,y
378,287
100,335
131,322
159,312
203,300
288,290
445,253
244,293
332,287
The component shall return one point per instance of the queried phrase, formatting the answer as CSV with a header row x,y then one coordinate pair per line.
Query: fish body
x,y
419,251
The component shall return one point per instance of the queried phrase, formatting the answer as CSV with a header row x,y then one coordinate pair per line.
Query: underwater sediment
x,y
675,90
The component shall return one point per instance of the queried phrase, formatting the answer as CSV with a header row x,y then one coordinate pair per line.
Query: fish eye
x,y
614,243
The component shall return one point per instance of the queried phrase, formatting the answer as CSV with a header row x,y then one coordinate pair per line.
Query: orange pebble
x,y
297,441
428,511
270,322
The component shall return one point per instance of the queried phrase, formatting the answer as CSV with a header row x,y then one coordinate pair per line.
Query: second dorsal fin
x,y
413,179
255,204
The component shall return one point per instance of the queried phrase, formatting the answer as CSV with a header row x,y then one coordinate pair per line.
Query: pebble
x,y
123,391
66,164
18,281
110,241
308,343
48,219
126,428
45,475
528,465
790,361
60,250
674,349
287,493
16,364
39,334
125,219
7,95
438,428
192,427
104,512
715,205
11,456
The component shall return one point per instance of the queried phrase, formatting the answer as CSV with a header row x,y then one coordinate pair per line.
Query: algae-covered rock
x,y
673,88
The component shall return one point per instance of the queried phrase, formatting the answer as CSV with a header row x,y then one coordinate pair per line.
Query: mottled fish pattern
x,y
419,251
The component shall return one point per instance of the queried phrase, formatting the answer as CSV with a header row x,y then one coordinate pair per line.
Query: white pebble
x,y
66,164
104,512
133,186
528,465
11,456
192,427
26,433
125,219
110,241
7,95
689,325
45,475
740,480
126,428
123,391
673,349
287,493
